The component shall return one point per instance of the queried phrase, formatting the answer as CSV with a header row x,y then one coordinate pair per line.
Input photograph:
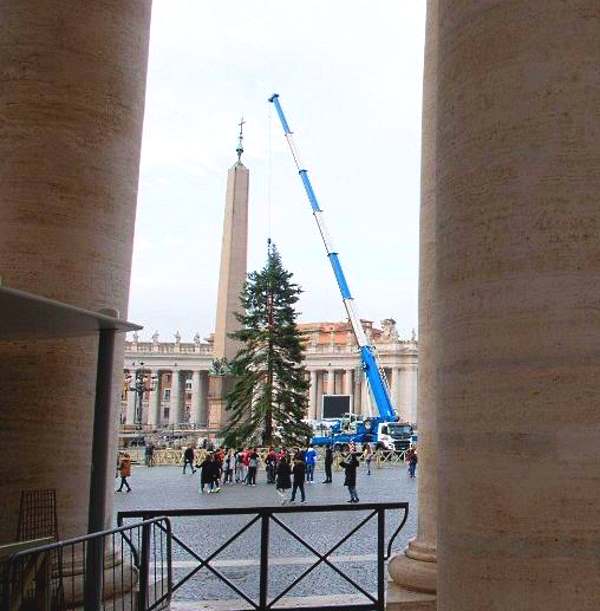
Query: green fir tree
x,y
268,401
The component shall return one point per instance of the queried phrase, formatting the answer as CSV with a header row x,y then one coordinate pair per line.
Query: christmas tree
x,y
268,401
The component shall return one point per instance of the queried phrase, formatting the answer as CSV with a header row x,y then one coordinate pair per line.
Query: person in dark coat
x,y
188,459
283,482
209,474
299,472
350,464
328,463
412,459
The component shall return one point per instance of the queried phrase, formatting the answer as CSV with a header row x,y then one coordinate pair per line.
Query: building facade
x,y
181,370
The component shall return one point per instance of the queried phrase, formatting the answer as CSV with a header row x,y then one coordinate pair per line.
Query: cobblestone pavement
x,y
167,487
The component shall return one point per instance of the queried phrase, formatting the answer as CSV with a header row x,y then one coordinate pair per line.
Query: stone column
x,y
364,398
72,84
348,382
405,389
415,570
320,385
203,398
517,292
154,415
357,396
196,398
395,386
312,395
331,381
176,406
131,403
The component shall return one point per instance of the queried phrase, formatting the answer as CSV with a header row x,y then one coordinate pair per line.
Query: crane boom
x,y
373,372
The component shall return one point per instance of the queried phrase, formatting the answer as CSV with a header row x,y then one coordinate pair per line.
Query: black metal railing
x,y
372,596
124,568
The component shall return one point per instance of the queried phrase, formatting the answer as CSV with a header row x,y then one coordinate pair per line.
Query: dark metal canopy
x,y
24,315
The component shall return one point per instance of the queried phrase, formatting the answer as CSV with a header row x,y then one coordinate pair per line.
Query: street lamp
x,y
139,385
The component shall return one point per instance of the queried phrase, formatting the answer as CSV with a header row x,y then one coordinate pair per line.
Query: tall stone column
x,y
131,404
331,381
395,387
320,385
405,389
203,398
356,399
196,402
312,395
517,318
176,407
348,382
415,570
72,84
154,418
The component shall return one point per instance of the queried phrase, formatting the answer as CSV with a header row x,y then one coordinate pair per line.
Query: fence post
x,y
144,567
264,560
381,559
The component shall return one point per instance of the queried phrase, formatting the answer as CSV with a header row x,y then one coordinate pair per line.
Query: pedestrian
x,y
228,465
253,459
283,479
368,456
328,463
149,455
124,472
188,459
350,464
209,474
412,459
238,466
310,459
245,463
271,465
299,472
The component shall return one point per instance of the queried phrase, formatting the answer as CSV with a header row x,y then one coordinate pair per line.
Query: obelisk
x,y
232,276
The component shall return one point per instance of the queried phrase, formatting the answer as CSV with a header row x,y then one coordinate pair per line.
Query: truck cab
x,y
395,435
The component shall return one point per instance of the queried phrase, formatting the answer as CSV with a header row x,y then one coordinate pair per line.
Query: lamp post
x,y
140,385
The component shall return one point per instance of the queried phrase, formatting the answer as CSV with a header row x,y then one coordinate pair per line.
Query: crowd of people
x,y
287,469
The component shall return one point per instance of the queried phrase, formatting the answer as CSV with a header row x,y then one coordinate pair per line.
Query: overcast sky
x,y
349,76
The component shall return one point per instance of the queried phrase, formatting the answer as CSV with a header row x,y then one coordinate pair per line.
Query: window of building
x,y
167,394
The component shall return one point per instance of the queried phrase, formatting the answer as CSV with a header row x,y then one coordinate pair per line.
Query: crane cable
x,y
268,178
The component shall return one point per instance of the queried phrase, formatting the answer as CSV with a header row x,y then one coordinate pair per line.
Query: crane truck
x,y
384,429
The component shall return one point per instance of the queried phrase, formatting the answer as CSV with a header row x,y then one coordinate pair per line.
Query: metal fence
x,y
121,569
265,518
174,456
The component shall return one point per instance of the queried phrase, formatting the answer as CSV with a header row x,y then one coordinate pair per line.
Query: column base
x,y
400,599
415,569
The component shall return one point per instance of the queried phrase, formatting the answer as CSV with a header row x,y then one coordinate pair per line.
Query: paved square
x,y
168,488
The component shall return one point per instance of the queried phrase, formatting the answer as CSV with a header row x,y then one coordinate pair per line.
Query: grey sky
x,y
349,76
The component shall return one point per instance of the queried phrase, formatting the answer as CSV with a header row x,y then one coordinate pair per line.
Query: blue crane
x,y
373,372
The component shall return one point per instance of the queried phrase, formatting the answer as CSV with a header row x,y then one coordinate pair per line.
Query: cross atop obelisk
x,y
240,149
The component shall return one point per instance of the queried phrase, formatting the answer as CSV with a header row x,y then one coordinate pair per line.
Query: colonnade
x,y
176,381
323,381
351,381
